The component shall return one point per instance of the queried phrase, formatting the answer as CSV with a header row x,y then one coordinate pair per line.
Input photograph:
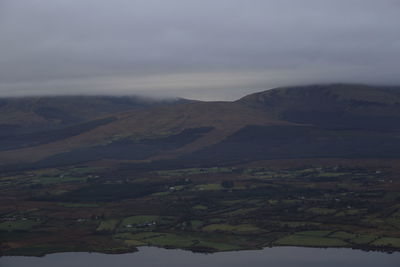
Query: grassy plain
x,y
298,203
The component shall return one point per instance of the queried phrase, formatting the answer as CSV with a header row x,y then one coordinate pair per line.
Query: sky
x,y
199,49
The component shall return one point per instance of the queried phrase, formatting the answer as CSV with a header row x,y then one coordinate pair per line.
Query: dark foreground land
x,y
105,208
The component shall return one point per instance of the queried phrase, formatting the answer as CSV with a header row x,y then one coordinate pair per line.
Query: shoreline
x,y
385,250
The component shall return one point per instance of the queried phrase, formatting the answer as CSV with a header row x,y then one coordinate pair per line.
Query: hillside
x,y
351,121
337,106
30,114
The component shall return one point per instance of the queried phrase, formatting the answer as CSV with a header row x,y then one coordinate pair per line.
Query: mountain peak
x,y
341,91
331,106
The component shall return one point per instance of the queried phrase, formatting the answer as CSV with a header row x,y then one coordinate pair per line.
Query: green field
x,y
216,209
311,238
387,241
108,225
18,225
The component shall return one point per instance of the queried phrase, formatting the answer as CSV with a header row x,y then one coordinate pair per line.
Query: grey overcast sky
x,y
202,49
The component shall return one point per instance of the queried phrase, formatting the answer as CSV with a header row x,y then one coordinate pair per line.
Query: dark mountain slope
x,y
337,106
126,149
348,121
224,118
283,142
352,121
32,114
29,139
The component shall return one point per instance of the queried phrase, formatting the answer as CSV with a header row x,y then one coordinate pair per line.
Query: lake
x,y
158,257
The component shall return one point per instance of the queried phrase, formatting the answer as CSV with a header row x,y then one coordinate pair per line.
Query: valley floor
x,y
314,203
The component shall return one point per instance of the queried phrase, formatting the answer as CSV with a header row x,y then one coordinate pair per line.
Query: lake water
x,y
268,257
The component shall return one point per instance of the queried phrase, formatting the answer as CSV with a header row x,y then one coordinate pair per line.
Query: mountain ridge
x,y
336,120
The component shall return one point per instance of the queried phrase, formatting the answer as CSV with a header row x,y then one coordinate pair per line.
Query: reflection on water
x,y
157,257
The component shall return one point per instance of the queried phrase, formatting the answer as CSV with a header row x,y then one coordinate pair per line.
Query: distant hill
x,y
337,106
29,114
319,121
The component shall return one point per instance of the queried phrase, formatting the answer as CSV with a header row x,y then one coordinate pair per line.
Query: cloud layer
x,y
209,49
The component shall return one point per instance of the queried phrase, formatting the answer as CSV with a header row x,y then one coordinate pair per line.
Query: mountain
x,y
339,120
337,106
30,114
319,121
